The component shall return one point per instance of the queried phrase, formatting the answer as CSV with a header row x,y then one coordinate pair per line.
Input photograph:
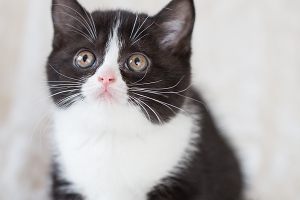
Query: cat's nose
x,y
107,79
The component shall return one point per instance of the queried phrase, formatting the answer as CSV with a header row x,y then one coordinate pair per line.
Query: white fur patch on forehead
x,y
109,70
113,48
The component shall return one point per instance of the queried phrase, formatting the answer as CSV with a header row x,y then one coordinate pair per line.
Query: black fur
x,y
213,173
173,66
58,184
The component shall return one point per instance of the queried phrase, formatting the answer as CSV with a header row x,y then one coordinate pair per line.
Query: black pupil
x,y
85,57
137,61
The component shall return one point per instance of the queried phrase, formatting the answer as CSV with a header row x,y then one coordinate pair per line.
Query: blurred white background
x,y
246,61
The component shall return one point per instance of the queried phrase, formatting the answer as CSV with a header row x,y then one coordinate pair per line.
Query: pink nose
x,y
106,80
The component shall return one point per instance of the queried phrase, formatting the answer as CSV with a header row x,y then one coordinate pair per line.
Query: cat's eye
x,y
137,62
85,59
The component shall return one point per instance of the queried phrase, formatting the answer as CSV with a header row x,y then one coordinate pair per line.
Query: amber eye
x,y
85,59
137,62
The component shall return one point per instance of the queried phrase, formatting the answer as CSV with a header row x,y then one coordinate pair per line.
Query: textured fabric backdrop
x,y
246,61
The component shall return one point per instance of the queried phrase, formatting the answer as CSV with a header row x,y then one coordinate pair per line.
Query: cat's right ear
x,y
68,16
176,22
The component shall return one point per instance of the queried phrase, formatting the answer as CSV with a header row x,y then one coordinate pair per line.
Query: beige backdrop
x,y
246,61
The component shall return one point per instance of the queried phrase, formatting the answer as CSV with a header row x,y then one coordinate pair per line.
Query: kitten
x,y
127,124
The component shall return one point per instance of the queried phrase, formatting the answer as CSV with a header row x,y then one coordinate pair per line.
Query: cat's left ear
x,y
176,23
69,16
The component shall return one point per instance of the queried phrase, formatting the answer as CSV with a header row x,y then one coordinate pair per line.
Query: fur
x,y
149,136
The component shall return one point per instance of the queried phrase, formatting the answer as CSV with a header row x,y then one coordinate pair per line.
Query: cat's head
x,y
122,58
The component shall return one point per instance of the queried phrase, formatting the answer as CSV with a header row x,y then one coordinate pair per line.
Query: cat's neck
x,y
116,143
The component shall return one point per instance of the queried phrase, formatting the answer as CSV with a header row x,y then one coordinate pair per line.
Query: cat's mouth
x,y
108,95
98,93
105,94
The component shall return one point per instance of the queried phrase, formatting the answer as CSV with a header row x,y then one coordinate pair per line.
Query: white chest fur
x,y
114,153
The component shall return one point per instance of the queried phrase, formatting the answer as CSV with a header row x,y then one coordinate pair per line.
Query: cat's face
x,y
118,57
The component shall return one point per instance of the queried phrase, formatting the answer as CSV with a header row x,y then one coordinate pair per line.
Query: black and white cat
x,y
128,126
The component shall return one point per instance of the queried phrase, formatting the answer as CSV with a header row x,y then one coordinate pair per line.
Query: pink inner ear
x,y
174,29
178,21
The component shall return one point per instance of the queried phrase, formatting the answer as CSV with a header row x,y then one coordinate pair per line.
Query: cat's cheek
x,y
91,92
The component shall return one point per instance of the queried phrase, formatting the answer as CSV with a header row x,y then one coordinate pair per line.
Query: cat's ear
x,y
176,22
69,16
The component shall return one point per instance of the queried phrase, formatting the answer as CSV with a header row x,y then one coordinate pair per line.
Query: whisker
x,y
136,100
69,100
133,89
81,33
161,102
54,95
167,88
59,86
140,27
141,78
83,36
50,110
143,30
156,114
84,78
147,91
145,83
43,133
91,24
84,23
172,92
62,74
63,86
63,82
133,26
193,100
50,97
35,127
73,90
141,108
59,89
139,39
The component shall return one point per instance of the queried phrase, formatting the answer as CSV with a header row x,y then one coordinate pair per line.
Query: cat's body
x,y
128,125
